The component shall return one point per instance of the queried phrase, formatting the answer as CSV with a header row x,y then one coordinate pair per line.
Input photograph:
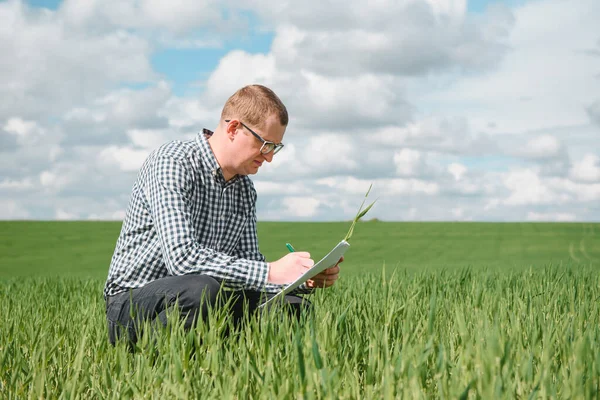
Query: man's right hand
x,y
290,267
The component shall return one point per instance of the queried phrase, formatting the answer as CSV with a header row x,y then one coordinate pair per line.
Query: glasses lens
x,y
267,148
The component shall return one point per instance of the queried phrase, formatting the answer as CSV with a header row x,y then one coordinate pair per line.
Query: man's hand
x,y
326,278
290,267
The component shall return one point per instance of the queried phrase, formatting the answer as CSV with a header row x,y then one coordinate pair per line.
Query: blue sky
x,y
184,67
478,6
50,4
487,111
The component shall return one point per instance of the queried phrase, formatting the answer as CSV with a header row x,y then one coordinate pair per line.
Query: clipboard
x,y
326,262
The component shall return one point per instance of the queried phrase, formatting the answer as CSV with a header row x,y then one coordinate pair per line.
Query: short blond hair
x,y
253,104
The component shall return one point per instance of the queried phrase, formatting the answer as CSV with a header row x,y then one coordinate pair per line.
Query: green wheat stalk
x,y
361,213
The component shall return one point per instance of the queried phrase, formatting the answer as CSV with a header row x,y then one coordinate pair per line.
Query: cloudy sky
x,y
452,109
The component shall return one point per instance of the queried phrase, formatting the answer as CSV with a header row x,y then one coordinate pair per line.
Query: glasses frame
x,y
276,146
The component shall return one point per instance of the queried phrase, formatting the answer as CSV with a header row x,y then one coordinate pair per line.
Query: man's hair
x,y
253,104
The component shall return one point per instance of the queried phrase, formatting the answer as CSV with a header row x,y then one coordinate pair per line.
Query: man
x,y
189,233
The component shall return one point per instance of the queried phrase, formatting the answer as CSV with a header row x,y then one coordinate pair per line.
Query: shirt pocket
x,y
234,227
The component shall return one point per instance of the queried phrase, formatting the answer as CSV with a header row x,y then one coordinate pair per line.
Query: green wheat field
x,y
421,310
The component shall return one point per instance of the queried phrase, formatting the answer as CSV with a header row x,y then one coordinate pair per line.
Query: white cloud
x,y
594,112
109,215
126,158
342,102
53,66
238,69
526,188
284,166
450,114
409,162
54,180
384,37
330,152
189,43
313,100
323,154
301,206
16,185
191,113
455,9
544,146
27,132
11,209
266,188
149,139
545,80
410,186
107,119
459,214
556,217
19,127
63,215
451,135
587,169
457,170
348,185
578,192
177,16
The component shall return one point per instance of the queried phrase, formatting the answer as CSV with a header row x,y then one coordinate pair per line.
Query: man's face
x,y
246,147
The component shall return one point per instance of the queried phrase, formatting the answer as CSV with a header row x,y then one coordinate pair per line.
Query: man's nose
x,y
268,157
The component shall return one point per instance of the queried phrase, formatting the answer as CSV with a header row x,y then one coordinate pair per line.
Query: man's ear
x,y
232,128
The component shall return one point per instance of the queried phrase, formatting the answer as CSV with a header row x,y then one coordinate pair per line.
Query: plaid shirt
x,y
184,218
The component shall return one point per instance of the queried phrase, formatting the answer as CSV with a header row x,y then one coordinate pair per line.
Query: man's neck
x,y
218,149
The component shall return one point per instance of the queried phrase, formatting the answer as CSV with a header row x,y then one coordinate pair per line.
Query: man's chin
x,y
249,172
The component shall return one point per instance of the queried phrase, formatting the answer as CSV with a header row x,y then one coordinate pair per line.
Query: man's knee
x,y
198,291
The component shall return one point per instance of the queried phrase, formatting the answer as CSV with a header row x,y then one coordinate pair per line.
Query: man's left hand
x,y
326,278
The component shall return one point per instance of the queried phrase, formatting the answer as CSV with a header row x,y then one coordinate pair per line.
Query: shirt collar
x,y
209,157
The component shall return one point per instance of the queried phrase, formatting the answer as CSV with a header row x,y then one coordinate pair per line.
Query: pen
x,y
290,248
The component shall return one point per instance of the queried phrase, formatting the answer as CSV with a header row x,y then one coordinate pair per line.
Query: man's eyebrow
x,y
267,139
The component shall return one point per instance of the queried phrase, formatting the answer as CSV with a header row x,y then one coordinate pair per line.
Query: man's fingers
x,y
307,262
324,279
323,283
321,278
303,254
332,278
331,271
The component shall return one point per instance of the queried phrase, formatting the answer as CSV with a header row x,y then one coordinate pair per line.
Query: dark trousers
x,y
193,295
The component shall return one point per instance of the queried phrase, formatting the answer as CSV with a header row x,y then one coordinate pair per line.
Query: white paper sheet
x,y
326,262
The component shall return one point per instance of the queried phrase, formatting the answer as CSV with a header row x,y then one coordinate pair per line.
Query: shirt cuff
x,y
303,289
274,288
258,279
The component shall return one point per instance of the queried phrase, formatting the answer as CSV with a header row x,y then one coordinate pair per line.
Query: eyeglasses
x,y
267,146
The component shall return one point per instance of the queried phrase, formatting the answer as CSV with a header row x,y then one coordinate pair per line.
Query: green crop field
x,y
422,310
